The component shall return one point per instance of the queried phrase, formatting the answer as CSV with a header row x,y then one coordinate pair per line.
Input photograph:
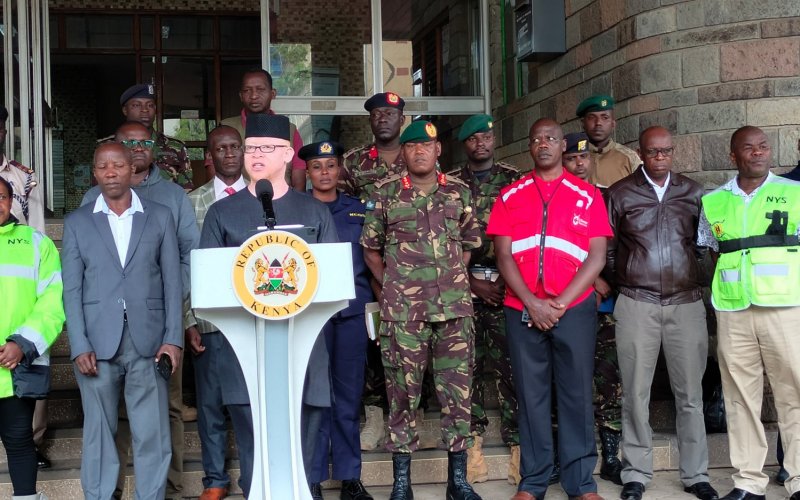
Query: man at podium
x,y
229,223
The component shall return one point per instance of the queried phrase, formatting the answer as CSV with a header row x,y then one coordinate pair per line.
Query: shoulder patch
x,y
370,205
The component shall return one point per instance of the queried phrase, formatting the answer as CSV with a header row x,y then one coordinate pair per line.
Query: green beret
x,y
419,131
577,142
475,124
324,149
595,103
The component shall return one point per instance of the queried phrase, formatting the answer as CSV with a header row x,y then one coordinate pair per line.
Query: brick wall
x,y
700,68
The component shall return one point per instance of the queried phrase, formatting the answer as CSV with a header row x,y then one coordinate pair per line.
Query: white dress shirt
x,y
219,187
121,225
660,190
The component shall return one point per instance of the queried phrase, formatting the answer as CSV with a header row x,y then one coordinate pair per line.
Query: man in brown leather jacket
x,y
652,261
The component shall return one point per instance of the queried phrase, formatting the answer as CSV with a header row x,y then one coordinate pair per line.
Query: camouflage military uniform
x,y
492,364
172,159
362,169
426,302
607,384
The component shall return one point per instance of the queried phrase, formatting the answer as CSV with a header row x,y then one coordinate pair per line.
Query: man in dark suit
x,y
123,300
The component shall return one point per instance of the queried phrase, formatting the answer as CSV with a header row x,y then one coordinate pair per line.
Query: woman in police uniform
x,y
345,334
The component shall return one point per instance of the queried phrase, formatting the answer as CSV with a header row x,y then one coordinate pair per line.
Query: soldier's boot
x,y
514,476
458,487
373,433
401,466
477,470
429,436
611,466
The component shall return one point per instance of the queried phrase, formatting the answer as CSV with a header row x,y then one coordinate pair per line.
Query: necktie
x,y
230,190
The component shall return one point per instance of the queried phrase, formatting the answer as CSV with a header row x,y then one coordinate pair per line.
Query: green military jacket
x,y
362,169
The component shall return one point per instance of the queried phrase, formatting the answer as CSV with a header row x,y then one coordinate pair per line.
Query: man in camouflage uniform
x,y
485,178
612,161
419,231
171,156
362,168
365,166
607,384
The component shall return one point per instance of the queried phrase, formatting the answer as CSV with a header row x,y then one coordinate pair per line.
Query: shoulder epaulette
x,y
20,166
456,180
391,178
167,139
507,166
354,151
103,140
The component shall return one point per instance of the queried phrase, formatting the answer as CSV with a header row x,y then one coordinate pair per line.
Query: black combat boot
x,y
401,465
610,467
457,486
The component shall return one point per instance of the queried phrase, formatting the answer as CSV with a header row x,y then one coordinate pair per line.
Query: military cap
x,y
577,142
265,125
419,131
140,90
3,114
385,100
475,124
324,149
595,103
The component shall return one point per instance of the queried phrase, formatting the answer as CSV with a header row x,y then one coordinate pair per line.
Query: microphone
x,y
264,193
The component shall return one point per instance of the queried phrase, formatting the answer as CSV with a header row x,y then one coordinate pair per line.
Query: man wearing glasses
x,y
147,183
652,262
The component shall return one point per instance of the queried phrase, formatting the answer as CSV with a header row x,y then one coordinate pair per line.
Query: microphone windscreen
x,y
264,188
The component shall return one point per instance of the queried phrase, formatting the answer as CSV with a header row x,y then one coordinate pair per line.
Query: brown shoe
x,y
587,496
523,495
214,494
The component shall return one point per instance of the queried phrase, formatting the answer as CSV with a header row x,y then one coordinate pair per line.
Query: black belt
x,y
760,241
125,315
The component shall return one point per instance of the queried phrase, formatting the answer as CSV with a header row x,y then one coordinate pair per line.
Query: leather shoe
x,y
739,494
353,489
702,490
214,493
316,491
632,491
523,495
42,462
795,496
588,496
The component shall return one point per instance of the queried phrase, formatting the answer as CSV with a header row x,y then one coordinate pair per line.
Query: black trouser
x,y
16,418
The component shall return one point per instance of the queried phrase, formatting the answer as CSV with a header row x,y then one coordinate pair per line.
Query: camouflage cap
x,y
385,100
577,142
419,131
475,124
140,90
595,103
324,149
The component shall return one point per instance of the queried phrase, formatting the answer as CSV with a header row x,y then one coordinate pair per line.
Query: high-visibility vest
x,y
31,289
759,253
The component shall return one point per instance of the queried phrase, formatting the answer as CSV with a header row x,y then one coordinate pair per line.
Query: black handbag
x,y
713,399
32,381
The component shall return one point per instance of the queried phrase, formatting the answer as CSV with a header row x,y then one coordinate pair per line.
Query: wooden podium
x,y
273,354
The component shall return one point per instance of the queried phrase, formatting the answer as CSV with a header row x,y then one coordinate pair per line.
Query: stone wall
x,y
700,68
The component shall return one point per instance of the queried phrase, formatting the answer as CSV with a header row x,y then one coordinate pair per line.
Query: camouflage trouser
x,y
607,384
493,366
405,356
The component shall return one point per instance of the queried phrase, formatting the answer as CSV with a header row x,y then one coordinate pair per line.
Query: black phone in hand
x,y
164,366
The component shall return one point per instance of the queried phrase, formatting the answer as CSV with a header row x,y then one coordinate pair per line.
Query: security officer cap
x,y
385,100
140,90
577,142
595,103
475,124
324,149
419,131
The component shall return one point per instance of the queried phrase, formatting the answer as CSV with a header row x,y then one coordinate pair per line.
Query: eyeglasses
x,y
549,139
134,143
654,152
4,197
264,148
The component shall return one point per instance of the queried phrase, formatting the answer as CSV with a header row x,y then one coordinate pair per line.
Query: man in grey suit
x,y
123,301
